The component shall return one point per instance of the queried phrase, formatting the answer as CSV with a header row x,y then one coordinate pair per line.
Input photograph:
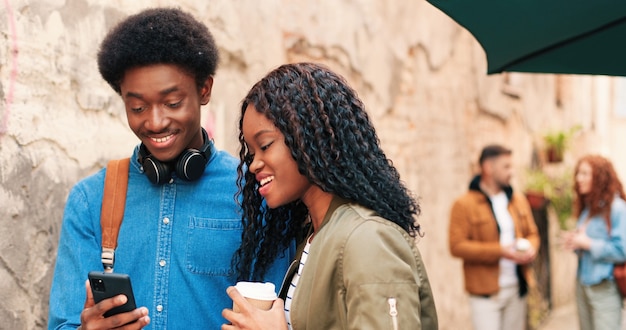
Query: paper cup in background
x,y
522,244
261,295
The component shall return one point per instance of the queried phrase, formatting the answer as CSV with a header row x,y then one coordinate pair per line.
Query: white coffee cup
x,y
261,295
522,244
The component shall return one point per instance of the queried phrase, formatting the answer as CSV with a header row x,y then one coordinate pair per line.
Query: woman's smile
x,y
275,169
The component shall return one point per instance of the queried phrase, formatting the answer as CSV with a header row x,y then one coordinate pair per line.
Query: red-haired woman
x,y
599,241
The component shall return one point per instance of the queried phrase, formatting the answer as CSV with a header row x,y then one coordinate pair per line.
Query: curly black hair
x,y
335,145
155,36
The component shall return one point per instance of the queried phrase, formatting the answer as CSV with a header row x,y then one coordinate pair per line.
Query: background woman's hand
x,y
252,318
576,240
92,316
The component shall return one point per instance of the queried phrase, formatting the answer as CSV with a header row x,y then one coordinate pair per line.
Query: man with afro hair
x,y
181,221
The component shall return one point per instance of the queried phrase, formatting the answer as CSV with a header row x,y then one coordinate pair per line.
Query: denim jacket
x,y
176,243
596,264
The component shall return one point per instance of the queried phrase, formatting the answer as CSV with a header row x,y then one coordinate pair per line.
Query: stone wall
x,y
421,76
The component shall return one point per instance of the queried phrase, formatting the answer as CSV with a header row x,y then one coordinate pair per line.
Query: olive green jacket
x,y
358,264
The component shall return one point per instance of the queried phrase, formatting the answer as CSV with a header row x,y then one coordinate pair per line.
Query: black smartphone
x,y
107,285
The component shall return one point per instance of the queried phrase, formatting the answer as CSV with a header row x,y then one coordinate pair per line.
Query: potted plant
x,y
561,195
536,182
556,189
557,141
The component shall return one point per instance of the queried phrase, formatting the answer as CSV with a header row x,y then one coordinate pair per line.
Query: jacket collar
x,y
334,205
475,186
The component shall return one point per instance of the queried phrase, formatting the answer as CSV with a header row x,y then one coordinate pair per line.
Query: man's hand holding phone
x,y
109,308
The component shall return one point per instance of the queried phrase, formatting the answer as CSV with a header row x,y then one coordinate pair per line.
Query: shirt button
x,y
162,263
160,308
166,220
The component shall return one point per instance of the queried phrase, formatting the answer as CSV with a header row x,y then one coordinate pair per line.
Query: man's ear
x,y
205,91
487,166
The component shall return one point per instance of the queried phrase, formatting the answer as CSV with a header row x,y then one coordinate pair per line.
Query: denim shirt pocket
x,y
211,244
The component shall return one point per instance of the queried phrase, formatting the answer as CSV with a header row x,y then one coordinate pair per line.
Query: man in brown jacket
x,y
492,229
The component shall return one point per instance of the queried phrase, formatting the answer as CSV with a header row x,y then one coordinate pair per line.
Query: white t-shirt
x,y
500,203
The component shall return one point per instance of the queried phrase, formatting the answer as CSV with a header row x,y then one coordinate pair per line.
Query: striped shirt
x,y
294,282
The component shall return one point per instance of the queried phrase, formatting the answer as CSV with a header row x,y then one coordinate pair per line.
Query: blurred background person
x,y
493,230
599,241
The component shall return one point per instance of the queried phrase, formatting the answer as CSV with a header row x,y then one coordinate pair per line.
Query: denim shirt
x,y
596,264
176,243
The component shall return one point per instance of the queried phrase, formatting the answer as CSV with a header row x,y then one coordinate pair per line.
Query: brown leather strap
x,y
112,213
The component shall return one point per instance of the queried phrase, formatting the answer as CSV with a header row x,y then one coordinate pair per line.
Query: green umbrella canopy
x,y
546,36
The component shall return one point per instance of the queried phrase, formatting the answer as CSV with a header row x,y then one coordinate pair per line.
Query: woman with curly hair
x,y
599,241
312,169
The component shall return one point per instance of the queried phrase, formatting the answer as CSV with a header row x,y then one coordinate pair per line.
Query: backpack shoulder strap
x,y
112,212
